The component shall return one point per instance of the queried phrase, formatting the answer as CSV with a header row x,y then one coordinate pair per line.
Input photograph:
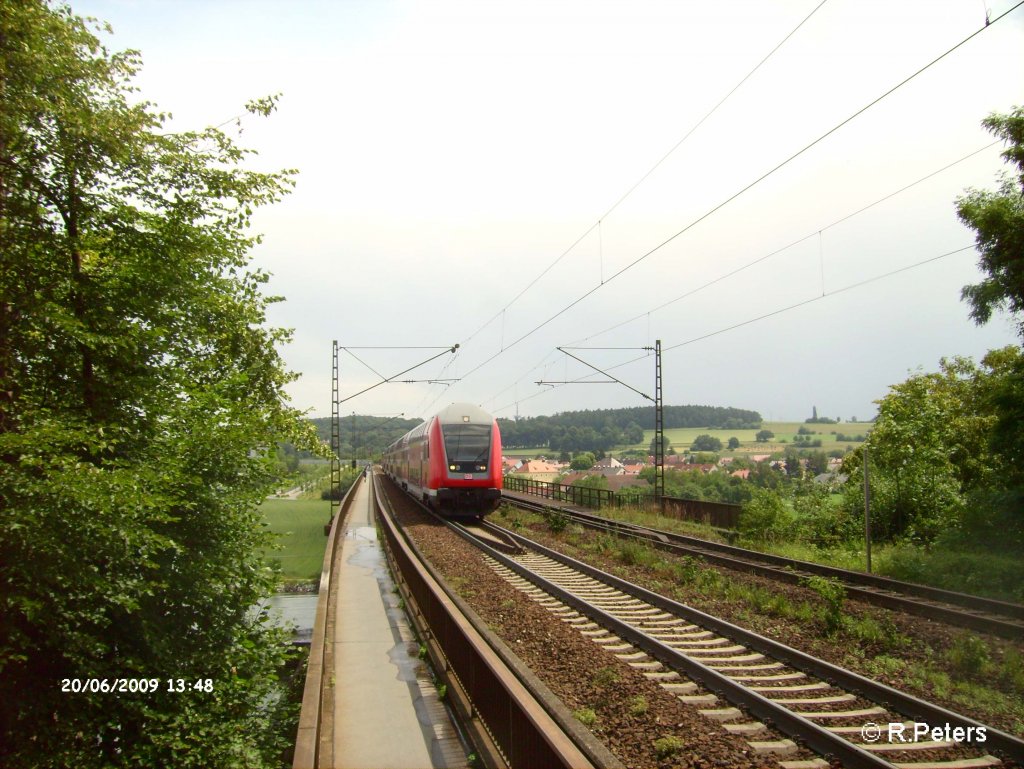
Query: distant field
x,y
682,438
302,544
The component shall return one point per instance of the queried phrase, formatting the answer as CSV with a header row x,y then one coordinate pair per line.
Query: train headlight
x,y
481,468
452,468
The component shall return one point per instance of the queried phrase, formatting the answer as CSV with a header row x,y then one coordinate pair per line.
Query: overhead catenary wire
x,y
764,176
818,232
821,296
764,316
597,224
385,380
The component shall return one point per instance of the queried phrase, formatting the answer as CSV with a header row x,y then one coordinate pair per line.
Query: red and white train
x,y
452,462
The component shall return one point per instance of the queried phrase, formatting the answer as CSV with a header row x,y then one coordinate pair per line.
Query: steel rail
x,y
816,737
522,731
899,596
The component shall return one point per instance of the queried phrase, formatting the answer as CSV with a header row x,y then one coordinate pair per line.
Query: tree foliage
x,y
141,396
998,221
604,428
765,517
706,442
935,468
997,217
583,461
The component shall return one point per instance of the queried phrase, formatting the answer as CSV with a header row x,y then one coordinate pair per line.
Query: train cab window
x,y
467,447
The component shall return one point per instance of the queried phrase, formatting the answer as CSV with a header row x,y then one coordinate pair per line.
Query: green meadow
x,y
785,435
301,542
681,438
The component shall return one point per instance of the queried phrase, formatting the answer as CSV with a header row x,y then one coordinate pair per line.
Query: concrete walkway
x,y
386,712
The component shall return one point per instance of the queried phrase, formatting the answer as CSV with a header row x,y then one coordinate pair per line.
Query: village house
x,y
539,470
615,482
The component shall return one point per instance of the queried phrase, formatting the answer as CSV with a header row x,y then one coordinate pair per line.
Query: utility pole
x,y
354,441
659,411
867,510
659,432
335,492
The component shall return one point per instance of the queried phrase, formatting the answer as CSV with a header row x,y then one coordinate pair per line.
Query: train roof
x,y
464,413
456,413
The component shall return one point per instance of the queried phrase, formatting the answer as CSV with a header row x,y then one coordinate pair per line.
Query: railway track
x,y
974,612
512,720
720,668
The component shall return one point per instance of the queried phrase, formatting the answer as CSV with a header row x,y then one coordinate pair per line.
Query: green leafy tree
x,y
591,482
734,443
998,221
653,448
763,436
583,461
633,433
765,517
141,401
932,463
706,443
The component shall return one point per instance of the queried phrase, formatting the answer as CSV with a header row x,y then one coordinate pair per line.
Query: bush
x,y
586,716
666,747
824,524
967,656
557,520
833,594
765,518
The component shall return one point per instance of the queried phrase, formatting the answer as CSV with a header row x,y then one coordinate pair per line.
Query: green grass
x,y
302,542
785,433
681,438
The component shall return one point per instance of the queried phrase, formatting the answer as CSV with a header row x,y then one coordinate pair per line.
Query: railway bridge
x,y
403,672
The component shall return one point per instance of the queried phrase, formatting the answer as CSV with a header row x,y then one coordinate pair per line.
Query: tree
x,y
817,462
706,443
765,517
653,448
583,461
734,443
998,221
633,434
932,458
763,436
591,482
141,401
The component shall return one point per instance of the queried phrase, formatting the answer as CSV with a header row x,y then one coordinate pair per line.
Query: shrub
x,y
586,716
635,553
557,520
686,569
765,517
833,594
604,677
666,747
968,655
638,706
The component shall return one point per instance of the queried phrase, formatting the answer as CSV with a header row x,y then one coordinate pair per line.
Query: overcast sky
x,y
462,168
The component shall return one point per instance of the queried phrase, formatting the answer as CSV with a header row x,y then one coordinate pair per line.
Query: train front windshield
x,y
468,447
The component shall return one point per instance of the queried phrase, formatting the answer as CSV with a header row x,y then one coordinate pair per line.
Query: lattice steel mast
x,y
335,435
659,432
